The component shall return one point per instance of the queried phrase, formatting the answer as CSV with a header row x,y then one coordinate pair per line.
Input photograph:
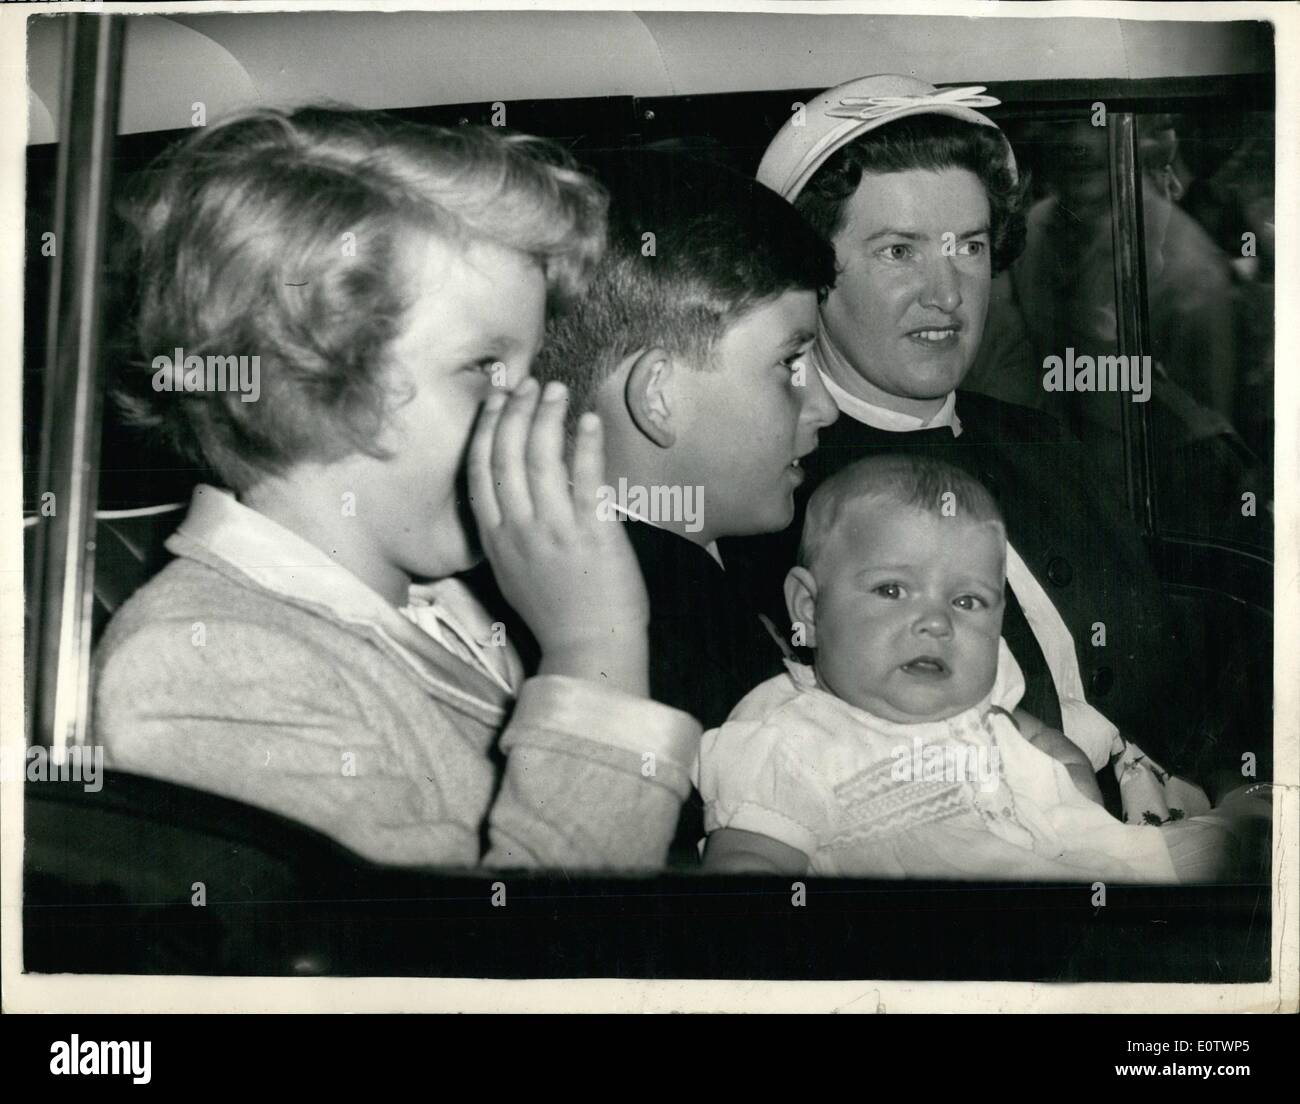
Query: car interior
x,y
110,883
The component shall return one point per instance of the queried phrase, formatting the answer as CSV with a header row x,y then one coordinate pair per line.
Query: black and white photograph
x,y
787,494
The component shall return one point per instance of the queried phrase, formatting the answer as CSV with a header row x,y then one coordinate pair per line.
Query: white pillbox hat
x,y
843,113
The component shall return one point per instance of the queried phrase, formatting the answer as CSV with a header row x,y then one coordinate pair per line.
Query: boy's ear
x,y
801,603
647,394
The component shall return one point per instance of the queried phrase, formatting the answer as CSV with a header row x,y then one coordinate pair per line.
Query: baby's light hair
x,y
903,479
724,244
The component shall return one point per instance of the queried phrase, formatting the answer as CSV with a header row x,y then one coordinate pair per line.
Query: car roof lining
x,y
411,59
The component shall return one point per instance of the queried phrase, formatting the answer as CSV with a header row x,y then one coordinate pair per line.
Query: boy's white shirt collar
x,y
711,548
281,561
879,417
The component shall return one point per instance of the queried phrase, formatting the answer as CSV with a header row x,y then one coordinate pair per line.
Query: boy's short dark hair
x,y
285,236
929,142
693,246
902,479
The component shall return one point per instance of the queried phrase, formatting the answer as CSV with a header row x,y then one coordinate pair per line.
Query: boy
x,y
690,344
895,754
393,282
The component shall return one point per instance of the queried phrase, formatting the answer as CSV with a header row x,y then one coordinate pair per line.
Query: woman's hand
x,y
571,575
1064,751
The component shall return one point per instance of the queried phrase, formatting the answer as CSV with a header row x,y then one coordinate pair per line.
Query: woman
x,y
921,196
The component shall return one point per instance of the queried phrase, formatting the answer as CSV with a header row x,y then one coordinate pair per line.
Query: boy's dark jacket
x,y
708,647
1094,567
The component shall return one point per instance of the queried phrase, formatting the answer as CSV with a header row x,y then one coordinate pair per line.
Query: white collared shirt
x,y
893,421
711,548
879,417
280,560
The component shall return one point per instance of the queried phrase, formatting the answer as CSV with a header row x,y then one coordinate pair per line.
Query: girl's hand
x,y
571,575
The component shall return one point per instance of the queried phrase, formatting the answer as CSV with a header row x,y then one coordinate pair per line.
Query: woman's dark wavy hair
x,y
933,143
286,235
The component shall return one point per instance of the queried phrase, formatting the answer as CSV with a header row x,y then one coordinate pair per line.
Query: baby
x,y
899,753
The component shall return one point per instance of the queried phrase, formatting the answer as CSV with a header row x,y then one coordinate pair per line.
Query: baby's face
x,y
909,611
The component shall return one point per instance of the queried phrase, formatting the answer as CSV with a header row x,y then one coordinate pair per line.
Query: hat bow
x,y
874,107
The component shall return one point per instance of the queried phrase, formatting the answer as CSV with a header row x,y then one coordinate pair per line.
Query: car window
x,y
1057,302
1203,399
1208,212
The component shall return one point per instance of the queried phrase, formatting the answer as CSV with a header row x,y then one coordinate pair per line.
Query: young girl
x,y
308,651
896,754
